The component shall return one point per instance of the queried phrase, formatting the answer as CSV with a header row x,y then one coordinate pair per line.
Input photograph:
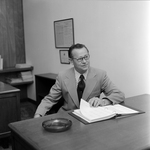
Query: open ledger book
x,y
93,114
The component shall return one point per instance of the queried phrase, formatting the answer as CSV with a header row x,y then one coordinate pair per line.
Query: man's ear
x,y
70,60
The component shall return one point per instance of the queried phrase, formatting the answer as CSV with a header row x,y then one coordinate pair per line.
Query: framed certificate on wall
x,y
64,33
64,58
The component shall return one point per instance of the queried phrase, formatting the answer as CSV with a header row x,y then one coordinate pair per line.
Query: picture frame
x,y
64,58
64,33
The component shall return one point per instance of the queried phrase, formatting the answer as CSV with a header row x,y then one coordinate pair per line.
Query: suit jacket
x,y
65,86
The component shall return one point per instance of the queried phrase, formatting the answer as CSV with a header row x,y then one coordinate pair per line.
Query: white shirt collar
x,y
77,75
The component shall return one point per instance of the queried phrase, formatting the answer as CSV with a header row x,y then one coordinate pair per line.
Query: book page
x,y
120,109
92,114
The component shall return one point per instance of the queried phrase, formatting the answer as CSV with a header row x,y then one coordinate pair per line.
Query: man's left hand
x,y
95,102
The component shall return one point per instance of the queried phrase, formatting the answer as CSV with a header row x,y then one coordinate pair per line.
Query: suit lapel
x,y
90,84
71,86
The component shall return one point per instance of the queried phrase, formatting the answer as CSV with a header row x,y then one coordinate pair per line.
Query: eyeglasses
x,y
86,57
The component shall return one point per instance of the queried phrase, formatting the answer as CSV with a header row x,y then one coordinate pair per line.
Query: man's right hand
x,y
37,115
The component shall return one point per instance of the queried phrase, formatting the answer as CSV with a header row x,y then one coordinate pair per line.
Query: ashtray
x,y
57,124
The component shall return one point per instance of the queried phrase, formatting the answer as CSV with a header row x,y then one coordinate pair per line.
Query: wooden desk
x,y
43,84
9,107
129,133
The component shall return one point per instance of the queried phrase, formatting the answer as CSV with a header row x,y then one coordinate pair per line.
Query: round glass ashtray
x,y
57,124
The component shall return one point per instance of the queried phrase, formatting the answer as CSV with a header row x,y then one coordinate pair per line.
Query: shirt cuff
x,y
38,115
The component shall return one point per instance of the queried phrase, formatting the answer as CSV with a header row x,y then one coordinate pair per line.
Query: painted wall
x,y
117,34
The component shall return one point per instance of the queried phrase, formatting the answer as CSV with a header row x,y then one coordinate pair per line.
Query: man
x,y
80,81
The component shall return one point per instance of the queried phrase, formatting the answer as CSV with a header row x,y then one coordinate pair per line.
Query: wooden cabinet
x,y
43,84
9,107
12,73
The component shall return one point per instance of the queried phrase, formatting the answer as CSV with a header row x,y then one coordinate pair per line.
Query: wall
x,y
117,34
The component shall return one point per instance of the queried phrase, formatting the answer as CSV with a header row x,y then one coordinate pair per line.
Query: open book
x,y
93,114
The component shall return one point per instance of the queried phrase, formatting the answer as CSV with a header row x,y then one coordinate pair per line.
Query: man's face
x,y
81,60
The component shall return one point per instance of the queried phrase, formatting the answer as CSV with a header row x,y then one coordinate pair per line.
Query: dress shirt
x,y
77,76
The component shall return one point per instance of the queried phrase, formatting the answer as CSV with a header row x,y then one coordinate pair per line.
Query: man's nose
x,y
83,60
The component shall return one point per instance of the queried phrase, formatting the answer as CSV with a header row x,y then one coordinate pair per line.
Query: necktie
x,y
81,86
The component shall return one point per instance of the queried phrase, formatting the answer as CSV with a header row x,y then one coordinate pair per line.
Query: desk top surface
x,y
128,133
47,75
6,88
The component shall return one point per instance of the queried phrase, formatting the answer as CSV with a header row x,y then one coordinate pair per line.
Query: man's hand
x,y
95,102
37,115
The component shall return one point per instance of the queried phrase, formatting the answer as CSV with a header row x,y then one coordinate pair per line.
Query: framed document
x,y
64,58
64,33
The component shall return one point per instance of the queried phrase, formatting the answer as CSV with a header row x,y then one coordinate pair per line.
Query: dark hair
x,y
76,46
